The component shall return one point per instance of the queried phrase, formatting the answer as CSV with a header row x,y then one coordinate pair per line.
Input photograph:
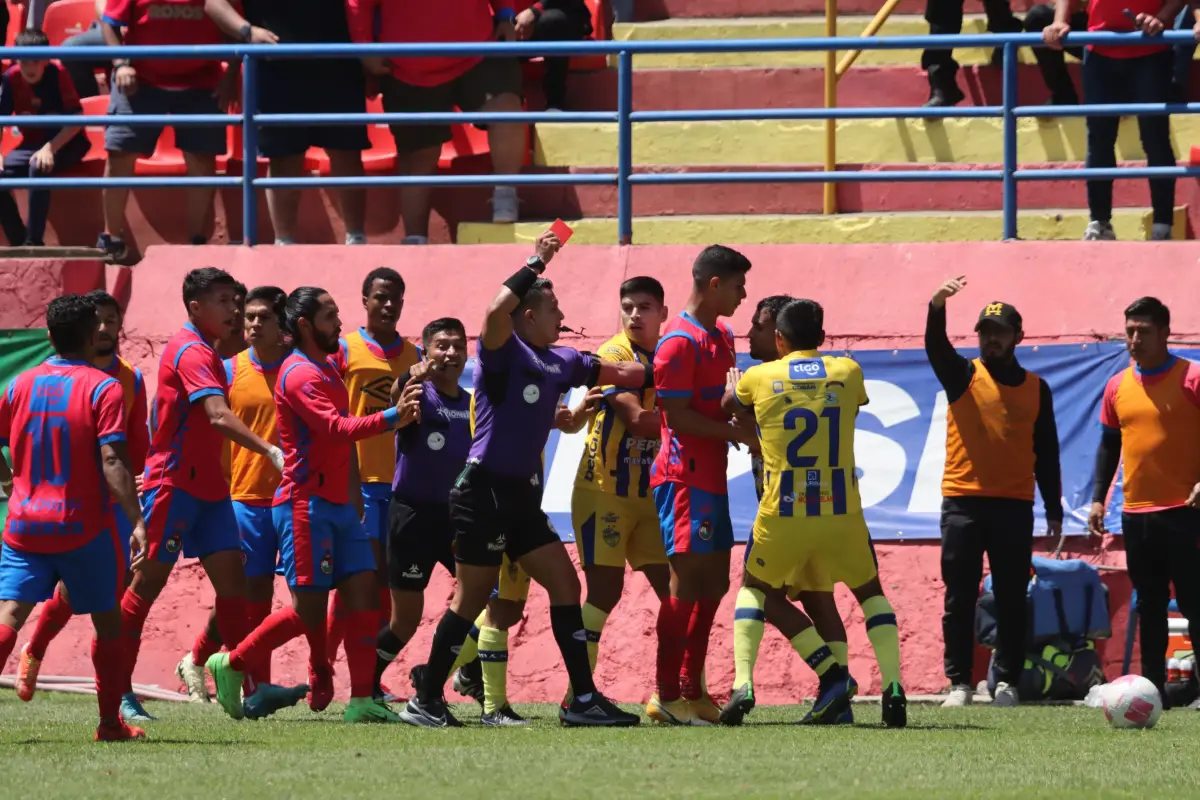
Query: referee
x,y
1000,438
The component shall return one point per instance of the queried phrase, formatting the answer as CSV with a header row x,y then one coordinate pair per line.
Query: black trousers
x,y
972,526
570,23
945,17
1160,550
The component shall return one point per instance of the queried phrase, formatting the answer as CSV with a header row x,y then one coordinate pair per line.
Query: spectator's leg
x,y
37,13
1009,551
343,91
118,165
495,85
1000,17
284,204
555,25
1181,68
200,200
944,17
83,73
124,144
1051,63
200,147
1150,81
622,10
16,165
1098,72
1147,561
418,147
353,202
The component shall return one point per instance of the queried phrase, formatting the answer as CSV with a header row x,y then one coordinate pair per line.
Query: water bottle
x,y
1173,670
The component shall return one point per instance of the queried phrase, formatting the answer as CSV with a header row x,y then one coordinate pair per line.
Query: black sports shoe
x,y
741,702
944,96
429,714
416,676
503,717
468,681
834,693
895,706
598,711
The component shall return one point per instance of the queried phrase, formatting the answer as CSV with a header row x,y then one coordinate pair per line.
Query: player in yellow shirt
x,y
805,406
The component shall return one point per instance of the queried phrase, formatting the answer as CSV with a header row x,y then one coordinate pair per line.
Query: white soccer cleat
x,y
960,695
193,678
1005,697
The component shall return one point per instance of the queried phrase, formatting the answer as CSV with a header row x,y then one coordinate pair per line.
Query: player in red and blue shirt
x,y
691,368
317,511
64,422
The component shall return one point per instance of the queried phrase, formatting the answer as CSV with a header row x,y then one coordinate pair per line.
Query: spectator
x,y
945,17
622,10
555,21
318,86
37,86
1131,74
83,73
441,83
162,87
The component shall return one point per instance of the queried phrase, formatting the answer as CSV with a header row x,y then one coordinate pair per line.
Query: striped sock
x,y
748,622
884,636
812,648
470,646
593,623
493,658
841,651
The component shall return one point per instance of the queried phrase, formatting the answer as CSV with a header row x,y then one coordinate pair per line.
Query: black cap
x,y
1001,314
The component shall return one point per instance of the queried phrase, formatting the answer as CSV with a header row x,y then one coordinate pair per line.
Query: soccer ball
x,y
1131,701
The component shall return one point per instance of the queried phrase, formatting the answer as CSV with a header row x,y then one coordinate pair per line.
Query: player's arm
x,y
1108,456
637,420
1046,468
356,495
108,405
497,325
226,423
139,427
674,377
625,374
953,371
312,403
6,476
573,420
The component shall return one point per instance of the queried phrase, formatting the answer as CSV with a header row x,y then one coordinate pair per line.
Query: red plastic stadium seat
x,y
167,159
95,107
1194,159
67,18
235,165
16,22
7,140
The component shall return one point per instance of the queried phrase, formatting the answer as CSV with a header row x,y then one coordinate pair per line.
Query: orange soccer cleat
x,y
320,694
118,731
27,674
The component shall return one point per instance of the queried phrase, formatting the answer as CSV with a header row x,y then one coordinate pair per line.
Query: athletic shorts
x,y
513,584
176,522
693,520
419,537
320,543
781,546
495,515
142,139
489,78
376,499
611,530
335,89
94,574
260,543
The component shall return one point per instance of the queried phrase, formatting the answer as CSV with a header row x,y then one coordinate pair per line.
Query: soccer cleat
x,y
503,717
27,674
229,684
192,676
675,712
429,714
132,710
960,695
269,698
895,706
598,711
118,731
365,709
704,711
468,681
847,718
741,702
1005,696
836,690
320,688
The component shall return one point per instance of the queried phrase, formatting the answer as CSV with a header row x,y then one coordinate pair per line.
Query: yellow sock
x,y
748,620
841,651
884,636
593,624
470,647
493,657
812,648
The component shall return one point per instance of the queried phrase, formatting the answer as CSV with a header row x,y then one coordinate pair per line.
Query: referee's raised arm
x,y
953,371
498,324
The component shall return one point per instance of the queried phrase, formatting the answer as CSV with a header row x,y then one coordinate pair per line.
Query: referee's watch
x,y
246,32
536,264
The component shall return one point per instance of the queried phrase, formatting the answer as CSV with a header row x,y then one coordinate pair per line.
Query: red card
x,y
562,230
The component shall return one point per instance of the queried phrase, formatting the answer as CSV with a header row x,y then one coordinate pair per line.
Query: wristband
x,y
521,281
648,383
246,32
505,15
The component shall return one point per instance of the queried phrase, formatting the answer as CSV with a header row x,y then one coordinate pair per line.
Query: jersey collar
x,y
261,367
1159,370
388,352
112,367
188,326
687,315
803,354
56,361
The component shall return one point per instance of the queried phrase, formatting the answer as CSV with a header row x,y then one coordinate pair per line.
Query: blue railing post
x,y
1009,100
249,150
624,147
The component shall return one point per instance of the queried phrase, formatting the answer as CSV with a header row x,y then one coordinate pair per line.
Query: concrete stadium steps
x,y
893,228
888,141
663,9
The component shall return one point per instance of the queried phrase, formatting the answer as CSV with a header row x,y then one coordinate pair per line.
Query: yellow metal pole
x,y
831,78
872,28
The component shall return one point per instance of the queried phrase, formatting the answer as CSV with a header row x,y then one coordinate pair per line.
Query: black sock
x,y
451,632
387,646
567,623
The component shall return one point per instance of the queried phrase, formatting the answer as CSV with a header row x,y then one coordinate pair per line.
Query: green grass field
x,y
195,751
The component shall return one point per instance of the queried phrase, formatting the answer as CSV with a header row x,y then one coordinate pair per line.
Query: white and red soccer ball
x,y
1132,701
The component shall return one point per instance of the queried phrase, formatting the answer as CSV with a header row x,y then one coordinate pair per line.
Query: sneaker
x,y
1099,232
836,690
1005,696
118,732
27,674
503,717
132,711
364,709
960,695
415,240
504,205
741,702
269,698
320,693
1160,232
192,676
468,681
284,241
945,96
895,706
704,711
355,238
675,712
598,711
229,684
429,714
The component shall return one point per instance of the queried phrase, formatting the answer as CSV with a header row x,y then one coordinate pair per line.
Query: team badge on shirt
x,y
531,394
436,441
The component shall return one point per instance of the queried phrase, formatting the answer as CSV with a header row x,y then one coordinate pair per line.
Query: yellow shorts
x,y
611,530
513,584
838,549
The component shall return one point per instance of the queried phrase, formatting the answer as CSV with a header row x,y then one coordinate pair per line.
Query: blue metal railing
x,y
624,178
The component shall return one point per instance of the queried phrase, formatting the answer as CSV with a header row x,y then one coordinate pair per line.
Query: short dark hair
x,y
718,261
71,319
541,287
302,303
199,282
102,299
1151,308
772,305
273,296
31,37
801,323
442,325
382,274
643,284
239,290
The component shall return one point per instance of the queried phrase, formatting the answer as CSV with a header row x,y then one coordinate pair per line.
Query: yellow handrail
x,y
872,28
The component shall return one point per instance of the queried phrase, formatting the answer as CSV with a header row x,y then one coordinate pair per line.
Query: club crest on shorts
x,y
705,530
612,536
436,441
327,563
174,543
531,393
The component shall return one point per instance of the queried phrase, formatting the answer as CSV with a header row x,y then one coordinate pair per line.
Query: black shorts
x,y
337,89
419,536
494,515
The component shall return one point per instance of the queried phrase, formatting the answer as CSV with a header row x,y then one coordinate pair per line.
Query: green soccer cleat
x,y
229,684
365,709
741,702
895,706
